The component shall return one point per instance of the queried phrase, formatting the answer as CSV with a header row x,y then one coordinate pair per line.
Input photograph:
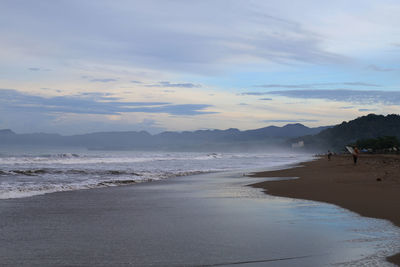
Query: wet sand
x,y
203,220
371,188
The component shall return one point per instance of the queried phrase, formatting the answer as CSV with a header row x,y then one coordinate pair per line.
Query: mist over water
x,y
27,173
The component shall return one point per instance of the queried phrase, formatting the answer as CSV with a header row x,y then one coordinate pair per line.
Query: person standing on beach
x,y
355,155
329,155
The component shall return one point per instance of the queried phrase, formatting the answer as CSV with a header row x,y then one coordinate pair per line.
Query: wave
x,y
61,155
38,172
9,191
71,158
118,182
22,192
35,174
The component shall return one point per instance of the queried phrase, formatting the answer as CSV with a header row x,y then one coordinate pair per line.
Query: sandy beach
x,y
370,188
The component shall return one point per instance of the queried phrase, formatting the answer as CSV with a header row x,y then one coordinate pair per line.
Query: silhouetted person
x,y
329,155
355,155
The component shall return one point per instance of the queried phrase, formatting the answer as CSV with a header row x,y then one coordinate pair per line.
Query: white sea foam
x,y
31,189
23,175
84,159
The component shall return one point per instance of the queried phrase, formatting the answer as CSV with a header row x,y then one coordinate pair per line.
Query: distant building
x,y
298,144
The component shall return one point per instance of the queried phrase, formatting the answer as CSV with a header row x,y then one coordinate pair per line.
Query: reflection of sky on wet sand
x,y
327,232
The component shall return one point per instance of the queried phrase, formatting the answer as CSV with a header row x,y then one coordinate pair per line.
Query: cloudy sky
x,y
83,66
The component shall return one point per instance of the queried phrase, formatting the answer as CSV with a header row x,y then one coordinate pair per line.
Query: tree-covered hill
x,y
366,127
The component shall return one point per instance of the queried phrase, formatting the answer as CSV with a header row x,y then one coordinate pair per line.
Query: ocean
x,y
39,171
199,213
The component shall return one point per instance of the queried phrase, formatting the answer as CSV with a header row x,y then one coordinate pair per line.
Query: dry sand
x,y
371,188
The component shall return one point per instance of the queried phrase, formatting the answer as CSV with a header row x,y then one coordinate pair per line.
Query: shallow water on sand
x,y
202,220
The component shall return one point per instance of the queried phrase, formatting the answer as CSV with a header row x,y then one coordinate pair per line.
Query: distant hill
x,y
6,132
289,130
197,140
366,127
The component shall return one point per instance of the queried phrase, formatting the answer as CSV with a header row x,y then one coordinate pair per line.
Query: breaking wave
x,y
23,189
72,158
24,174
38,172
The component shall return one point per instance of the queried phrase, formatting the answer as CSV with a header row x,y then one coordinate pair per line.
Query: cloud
x,y
361,84
290,121
266,99
38,69
184,109
282,85
380,69
364,97
255,93
169,84
187,36
105,80
366,109
138,82
91,103
313,85
98,96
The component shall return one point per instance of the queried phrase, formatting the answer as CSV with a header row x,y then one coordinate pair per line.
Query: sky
x,y
75,67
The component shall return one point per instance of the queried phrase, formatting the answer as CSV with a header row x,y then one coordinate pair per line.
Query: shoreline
x,y
219,221
370,188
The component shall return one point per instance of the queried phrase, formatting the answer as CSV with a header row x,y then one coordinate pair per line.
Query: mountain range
x,y
230,139
314,139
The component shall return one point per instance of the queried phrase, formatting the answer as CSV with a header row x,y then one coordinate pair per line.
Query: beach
x,y
370,188
201,220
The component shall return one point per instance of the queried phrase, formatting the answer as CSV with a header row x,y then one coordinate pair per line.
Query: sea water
x,y
38,171
212,219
